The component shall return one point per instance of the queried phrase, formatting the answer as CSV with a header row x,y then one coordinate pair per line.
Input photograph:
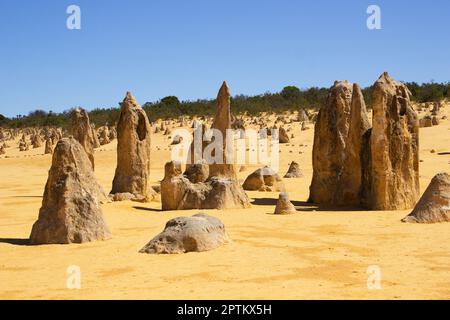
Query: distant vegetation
x,y
290,98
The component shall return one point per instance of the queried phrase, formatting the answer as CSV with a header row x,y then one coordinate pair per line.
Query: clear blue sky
x,y
187,48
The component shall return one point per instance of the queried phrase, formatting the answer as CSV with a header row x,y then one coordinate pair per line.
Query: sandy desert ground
x,y
314,254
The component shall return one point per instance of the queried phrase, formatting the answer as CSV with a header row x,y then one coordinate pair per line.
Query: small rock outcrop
x,y
294,171
283,136
70,211
284,205
434,205
48,146
264,179
198,233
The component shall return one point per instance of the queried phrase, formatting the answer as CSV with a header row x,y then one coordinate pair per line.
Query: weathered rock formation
x,y
354,185
283,136
112,133
82,131
222,122
198,233
70,211
133,152
338,147
95,136
36,141
434,206
24,145
202,187
355,165
48,146
197,172
294,171
394,147
264,179
435,121
284,205
426,122
104,135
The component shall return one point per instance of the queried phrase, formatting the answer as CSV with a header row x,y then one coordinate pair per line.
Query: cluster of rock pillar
x,y
359,165
203,185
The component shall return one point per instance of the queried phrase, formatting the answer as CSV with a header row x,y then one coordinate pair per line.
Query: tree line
x,y
290,98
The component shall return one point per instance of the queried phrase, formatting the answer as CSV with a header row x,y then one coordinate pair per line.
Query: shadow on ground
x,y
147,209
17,242
303,206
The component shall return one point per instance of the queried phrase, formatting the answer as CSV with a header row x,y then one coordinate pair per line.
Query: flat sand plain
x,y
314,254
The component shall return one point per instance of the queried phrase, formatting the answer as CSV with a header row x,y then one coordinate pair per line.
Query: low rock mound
x,y
284,205
434,206
263,179
200,232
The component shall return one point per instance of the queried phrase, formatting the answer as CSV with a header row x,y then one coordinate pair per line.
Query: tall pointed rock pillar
x,y
394,147
133,153
222,122
81,130
353,188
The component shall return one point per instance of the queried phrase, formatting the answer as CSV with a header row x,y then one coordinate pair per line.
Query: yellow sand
x,y
309,255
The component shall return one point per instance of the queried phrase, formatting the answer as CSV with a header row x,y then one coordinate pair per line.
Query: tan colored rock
x,y
23,145
104,136
178,193
133,151
302,116
294,171
82,131
331,130
426,122
264,179
394,147
220,190
283,136
112,134
95,137
70,211
284,205
434,205
198,233
198,172
435,121
222,122
36,141
48,146
354,181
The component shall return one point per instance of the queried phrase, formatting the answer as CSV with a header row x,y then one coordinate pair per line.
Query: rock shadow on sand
x,y
16,241
304,206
